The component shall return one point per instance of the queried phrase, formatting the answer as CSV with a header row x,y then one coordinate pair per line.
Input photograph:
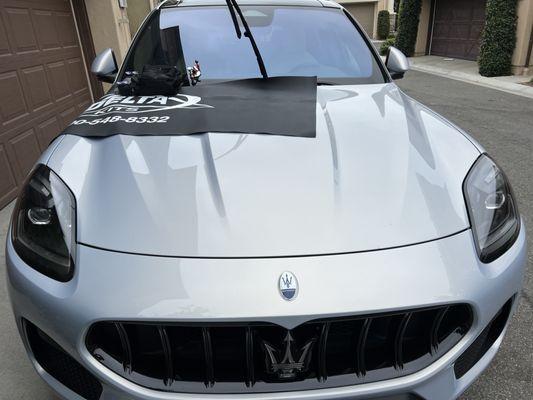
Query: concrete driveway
x,y
503,123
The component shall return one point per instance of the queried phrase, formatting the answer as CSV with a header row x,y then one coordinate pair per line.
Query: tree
x,y
498,39
408,26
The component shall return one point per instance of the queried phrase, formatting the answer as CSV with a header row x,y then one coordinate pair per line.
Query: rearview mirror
x,y
397,63
105,66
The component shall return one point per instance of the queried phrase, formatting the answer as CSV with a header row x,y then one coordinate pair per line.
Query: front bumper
x,y
116,286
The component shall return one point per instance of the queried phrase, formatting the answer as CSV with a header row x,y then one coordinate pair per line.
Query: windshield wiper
x,y
234,18
234,9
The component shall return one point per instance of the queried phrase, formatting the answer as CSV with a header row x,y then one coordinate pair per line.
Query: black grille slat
x,y
127,356
262,357
398,342
435,329
361,345
322,348
250,375
167,352
208,357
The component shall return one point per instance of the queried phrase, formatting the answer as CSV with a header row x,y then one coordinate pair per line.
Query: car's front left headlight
x,y
44,225
492,209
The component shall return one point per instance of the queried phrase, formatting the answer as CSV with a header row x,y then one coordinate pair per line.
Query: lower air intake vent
x,y
264,357
483,342
60,365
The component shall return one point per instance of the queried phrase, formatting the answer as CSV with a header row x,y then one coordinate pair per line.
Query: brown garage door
x,y
43,84
457,28
364,14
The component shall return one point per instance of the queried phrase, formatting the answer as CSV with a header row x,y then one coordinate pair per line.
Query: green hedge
x,y
383,24
499,38
384,48
408,29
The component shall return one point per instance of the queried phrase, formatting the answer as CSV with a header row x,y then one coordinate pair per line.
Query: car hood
x,y
382,172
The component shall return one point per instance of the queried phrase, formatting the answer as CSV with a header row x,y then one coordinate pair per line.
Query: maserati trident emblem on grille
x,y
288,286
292,363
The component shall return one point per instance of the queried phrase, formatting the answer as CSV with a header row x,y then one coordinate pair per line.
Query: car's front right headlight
x,y
44,225
492,209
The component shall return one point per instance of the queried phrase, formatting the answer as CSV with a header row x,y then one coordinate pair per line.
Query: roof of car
x,y
306,3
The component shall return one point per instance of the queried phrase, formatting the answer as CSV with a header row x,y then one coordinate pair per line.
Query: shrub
x,y
397,16
384,49
499,38
398,13
408,29
383,24
397,6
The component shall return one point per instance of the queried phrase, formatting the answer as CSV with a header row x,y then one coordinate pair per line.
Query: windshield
x,y
293,41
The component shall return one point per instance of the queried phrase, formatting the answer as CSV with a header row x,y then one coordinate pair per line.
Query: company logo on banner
x,y
112,103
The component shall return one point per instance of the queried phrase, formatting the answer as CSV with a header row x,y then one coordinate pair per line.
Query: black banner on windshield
x,y
275,106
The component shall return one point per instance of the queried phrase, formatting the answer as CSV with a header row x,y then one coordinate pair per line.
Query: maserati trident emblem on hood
x,y
288,286
292,363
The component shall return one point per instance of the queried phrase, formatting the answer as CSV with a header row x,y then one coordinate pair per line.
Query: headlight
x,y
44,225
492,209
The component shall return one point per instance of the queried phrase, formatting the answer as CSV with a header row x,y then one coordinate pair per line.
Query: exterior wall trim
x,y
85,37
431,26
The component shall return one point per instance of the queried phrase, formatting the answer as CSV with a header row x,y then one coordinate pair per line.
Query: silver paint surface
x,y
382,172
110,285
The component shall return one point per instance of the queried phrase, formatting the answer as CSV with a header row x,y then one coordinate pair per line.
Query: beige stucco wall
x,y
423,28
109,26
137,12
523,34
378,6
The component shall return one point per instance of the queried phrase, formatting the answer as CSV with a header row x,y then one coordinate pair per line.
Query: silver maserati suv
x,y
285,224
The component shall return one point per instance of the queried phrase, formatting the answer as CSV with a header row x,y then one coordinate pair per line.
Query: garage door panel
x,y
67,116
458,31
20,26
45,25
26,149
76,75
439,48
54,5
13,106
4,44
83,105
36,88
47,131
457,28
8,185
56,78
462,14
441,29
479,14
476,30
42,70
66,30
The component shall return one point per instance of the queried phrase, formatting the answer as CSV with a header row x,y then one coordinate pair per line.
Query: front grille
x,y
264,357
54,360
484,341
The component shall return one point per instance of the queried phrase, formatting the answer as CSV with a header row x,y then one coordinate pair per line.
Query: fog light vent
x,y
483,342
55,361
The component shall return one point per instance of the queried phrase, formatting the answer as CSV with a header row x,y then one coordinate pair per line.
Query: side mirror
x,y
105,66
397,63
